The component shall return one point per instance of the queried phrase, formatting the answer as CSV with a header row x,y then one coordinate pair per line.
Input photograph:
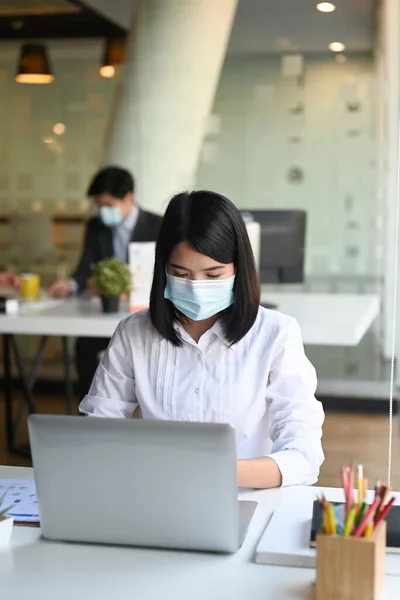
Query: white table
x,y
39,570
328,319
325,319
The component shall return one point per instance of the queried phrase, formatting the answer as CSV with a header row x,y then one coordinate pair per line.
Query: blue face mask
x,y
199,300
110,215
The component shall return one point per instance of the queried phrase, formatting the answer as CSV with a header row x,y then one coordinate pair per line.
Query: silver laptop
x,y
134,482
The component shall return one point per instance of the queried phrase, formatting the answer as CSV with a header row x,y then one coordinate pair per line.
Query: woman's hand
x,y
258,473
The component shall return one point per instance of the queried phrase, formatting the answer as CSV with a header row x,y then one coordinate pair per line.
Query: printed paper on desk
x,y
21,495
141,263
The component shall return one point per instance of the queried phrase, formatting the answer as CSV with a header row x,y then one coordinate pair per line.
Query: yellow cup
x,y
30,286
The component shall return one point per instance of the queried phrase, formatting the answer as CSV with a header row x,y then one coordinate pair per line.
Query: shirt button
x,y
199,357
196,391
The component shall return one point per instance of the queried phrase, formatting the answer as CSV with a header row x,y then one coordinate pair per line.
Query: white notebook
x,y
286,540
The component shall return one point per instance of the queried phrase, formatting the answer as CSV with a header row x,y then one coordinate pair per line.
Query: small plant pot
x,y
6,527
110,304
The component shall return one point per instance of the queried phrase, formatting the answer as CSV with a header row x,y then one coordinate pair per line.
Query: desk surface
x,y
325,319
40,570
328,319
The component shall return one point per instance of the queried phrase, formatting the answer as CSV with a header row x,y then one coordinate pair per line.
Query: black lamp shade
x,y
34,65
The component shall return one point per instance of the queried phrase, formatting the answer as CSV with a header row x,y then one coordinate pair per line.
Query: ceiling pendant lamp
x,y
114,54
34,65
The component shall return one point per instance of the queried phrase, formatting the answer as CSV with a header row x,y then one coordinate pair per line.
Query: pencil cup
x,y
350,568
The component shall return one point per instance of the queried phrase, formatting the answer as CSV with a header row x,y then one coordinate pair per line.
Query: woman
x,y
206,350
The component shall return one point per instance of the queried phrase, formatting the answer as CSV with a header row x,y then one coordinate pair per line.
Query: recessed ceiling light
x,y
326,7
59,128
337,46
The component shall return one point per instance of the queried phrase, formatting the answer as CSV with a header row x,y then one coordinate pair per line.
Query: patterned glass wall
x,y
306,142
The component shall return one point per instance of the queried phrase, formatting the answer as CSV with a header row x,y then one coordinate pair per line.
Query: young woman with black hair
x,y
206,350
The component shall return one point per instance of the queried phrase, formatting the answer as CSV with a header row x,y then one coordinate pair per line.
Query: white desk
x,y
325,319
40,570
73,317
328,319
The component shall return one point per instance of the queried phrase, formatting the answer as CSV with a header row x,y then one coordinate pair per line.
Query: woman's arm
x,y
295,420
295,415
258,473
112,393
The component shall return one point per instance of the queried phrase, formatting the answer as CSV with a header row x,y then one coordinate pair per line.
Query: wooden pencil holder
x,y
350,568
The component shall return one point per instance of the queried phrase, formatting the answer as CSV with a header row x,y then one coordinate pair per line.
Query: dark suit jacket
x,y
98,243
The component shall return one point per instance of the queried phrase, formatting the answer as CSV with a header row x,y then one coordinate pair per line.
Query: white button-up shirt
x,y
264,386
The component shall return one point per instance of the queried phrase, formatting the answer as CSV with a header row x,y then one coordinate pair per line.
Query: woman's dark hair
x,y
112,180
211,225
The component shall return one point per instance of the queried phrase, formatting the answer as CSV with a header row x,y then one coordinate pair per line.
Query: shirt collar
x,y
216,330
131,220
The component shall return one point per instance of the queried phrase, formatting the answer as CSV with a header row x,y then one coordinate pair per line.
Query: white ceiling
x,y
268,26
118,11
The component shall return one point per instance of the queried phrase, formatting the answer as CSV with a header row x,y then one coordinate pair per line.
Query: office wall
x,y
306,142
37,166
272,141
45,171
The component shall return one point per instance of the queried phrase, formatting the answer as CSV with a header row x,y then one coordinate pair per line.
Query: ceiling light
x,y
114,54
325,7
107,71
59,128
34,65
337,46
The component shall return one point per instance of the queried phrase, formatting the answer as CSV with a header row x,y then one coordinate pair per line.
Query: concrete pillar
x,y
173,62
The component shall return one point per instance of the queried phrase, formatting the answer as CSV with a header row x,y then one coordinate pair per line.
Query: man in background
x,y
119,221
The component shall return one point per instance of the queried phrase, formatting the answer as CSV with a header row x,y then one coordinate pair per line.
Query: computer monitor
x,y
282,249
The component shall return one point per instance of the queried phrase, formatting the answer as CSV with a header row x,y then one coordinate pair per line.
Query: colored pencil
x,y
351,485
349,521
385,511
367,517
346,488
356,517
360,484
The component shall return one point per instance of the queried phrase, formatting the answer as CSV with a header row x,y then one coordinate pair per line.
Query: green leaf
x,y
4,511
112,277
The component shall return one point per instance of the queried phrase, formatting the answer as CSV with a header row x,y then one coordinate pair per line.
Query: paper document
x,y
21,494
141,263
254,233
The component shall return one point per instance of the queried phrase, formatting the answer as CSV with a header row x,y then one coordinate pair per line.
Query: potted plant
x,y
113,278
6,524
